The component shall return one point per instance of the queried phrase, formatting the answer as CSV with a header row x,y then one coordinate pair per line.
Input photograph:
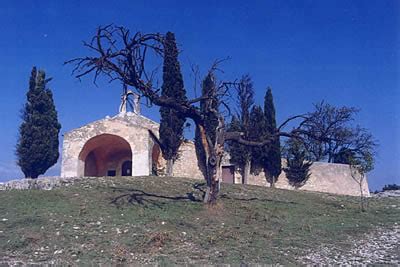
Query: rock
x,y
58,251
387,193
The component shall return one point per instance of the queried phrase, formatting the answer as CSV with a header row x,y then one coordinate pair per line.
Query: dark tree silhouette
x,y
171,123
37,147
297,169
257,132
272,160
241,155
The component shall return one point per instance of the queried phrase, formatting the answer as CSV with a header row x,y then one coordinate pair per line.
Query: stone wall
x,y
186,165
325,177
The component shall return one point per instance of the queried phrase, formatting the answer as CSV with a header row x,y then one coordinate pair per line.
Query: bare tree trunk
x,y
170,167
362,198
213,157
272,181
246,172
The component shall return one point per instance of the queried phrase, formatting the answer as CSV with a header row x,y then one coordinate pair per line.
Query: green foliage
x,y
171,123
297,170
245,101
241,154
272,161
37,147
236,150
257,132
390,187
211,120
344,156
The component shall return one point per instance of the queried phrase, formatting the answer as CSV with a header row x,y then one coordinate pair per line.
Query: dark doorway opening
x,y
111,173
126,169
228,174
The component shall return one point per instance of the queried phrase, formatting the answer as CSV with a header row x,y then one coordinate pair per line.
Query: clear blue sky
x,y
343,52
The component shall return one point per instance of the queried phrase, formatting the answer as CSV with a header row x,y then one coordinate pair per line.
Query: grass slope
x,y
162,220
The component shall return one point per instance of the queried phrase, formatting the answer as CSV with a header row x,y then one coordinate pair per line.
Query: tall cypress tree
x,y
211,120
257,132
171,124
37,147
245,101
236,150
272,160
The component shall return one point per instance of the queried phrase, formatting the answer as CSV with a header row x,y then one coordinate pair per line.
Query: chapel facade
x,y
125,145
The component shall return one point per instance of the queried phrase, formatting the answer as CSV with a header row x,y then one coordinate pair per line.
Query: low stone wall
x,y
325,177
42,183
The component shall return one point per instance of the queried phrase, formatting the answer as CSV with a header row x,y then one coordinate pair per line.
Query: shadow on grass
x,y
141,197
225,196
137,196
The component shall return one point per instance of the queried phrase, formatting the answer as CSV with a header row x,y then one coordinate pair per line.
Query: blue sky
x,y
343,52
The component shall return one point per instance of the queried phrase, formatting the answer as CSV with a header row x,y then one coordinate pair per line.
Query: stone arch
x,y
104,155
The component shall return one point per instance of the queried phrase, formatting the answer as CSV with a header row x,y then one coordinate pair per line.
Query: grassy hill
x,y
162,220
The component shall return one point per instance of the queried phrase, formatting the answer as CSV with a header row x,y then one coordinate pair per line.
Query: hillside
x,y
162,220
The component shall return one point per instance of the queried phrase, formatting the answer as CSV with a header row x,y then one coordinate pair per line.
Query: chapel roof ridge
x,y
132,118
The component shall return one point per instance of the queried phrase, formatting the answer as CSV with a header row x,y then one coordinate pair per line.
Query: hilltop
x,y
162,220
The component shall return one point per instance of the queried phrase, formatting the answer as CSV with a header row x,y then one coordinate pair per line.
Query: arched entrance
x,y
106,155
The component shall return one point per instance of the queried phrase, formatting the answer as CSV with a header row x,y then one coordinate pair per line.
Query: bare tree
x,y
122,56
358,170
341,138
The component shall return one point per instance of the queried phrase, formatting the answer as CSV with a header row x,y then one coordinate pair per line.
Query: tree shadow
x,y
141,197
256,199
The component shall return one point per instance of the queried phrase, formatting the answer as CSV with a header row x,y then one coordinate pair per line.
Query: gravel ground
x,y
379,247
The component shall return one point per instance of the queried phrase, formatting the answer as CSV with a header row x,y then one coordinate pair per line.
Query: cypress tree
x,y
211,121
245,101
272,152
235,149
297,169
37,147
171,123
257,132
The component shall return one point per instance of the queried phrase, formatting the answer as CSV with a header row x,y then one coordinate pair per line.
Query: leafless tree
x,y
122,56
358,171
341,138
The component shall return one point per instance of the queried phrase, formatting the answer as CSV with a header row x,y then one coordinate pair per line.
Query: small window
x,y
111,172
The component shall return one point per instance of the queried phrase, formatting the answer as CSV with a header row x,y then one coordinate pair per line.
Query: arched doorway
x,y
105,155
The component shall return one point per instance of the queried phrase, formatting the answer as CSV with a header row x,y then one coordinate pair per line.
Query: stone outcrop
x,y
42,183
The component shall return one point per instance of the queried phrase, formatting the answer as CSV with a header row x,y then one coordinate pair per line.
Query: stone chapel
x,y
124,145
